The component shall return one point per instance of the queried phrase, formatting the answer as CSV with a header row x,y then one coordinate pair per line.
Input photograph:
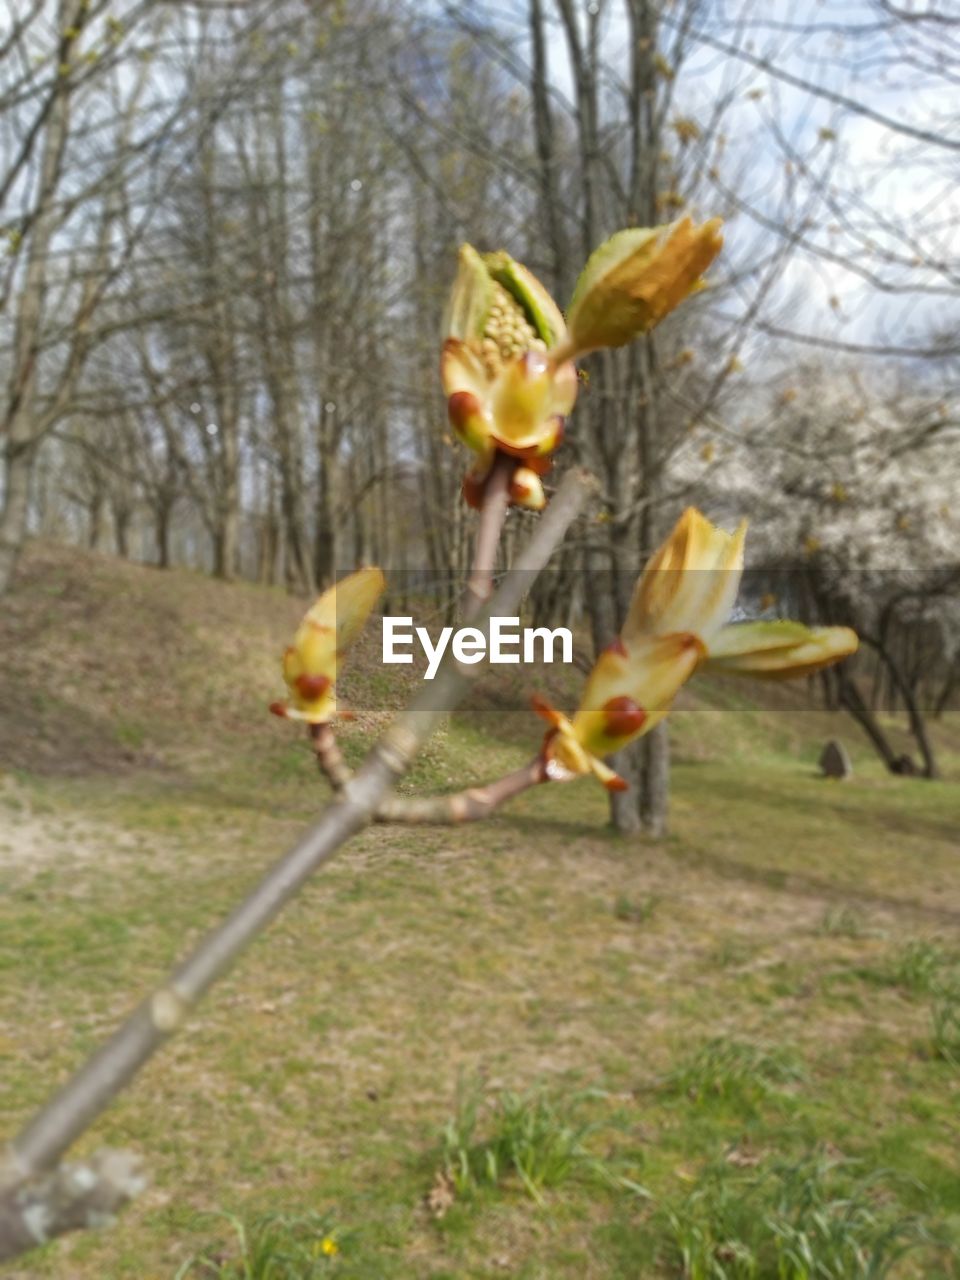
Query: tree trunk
x,y
325,540
946,693
852,699
161,531
95,529
654,776
624,809
225,543
14,508
231,538
918,726
121,530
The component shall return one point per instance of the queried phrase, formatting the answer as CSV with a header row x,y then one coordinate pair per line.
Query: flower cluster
x,y
507,365
505,393
678,624
509,375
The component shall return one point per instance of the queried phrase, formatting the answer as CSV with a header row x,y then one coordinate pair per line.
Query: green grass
x,y
539,1141
273,1247
754,1023
945,1021
919,965
813,1219
733,1070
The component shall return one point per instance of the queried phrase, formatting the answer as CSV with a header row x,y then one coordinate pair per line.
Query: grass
x,y
539,1141
842,922
945,1022
919,966
274,1247
636,910
733,1070
770,990
814,1219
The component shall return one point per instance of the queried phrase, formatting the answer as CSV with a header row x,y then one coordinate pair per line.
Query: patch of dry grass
x,y
319,1077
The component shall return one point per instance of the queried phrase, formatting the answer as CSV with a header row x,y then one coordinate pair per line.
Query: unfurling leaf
x,y
635,279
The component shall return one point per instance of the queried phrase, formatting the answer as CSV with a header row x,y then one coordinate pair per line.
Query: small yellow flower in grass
x,y
311,663
677,623
329,1247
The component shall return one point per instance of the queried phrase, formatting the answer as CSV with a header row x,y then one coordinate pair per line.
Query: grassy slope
x,y
144,788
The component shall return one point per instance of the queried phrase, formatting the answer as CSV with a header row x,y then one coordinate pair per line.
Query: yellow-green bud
x,y
635,279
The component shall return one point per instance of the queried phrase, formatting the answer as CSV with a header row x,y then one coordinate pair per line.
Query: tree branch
x,y
73,1197
48,1135
493,512
469,805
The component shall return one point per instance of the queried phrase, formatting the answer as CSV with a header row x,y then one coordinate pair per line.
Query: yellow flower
x,y
505,392
677,623
311,663
329,1247
635,279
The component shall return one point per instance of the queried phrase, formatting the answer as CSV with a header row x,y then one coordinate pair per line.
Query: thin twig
x,y
468,805
493,512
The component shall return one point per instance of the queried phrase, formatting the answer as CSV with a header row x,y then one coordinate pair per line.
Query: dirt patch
x,y
31,841
108,664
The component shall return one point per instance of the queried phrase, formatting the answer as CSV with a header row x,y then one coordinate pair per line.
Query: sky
x,y
887,193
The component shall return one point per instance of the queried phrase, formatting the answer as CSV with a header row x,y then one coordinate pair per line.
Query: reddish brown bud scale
x,y
519,491
544,710
616,783
624,717
473,487
311,687
461,407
